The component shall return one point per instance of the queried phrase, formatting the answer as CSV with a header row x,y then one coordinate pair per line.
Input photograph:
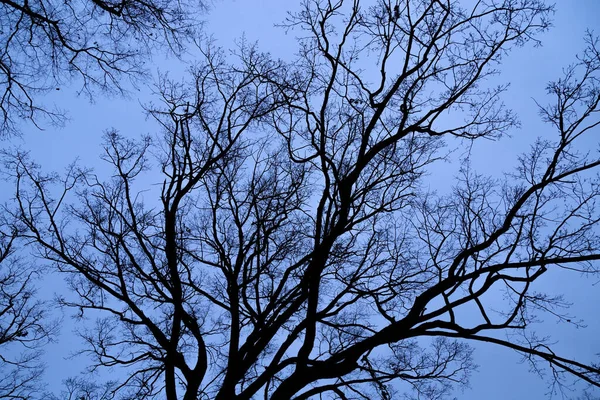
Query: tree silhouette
x,y
295,252
24,323
81,389
45,44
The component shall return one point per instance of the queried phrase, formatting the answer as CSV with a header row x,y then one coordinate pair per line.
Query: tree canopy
x,y
293,249
45,44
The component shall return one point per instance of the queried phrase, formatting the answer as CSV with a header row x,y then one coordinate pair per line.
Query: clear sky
x,y
500,375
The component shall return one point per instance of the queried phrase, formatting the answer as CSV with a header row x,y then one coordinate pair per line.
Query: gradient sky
x,y
528,69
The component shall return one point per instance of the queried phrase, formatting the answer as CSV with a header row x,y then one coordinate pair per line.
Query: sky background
x,y
528,69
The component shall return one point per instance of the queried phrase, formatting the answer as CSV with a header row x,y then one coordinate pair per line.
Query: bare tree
x,y
294,252
25,325
45,44
82,389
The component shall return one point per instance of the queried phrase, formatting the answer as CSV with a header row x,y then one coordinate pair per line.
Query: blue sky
x,y
528,69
